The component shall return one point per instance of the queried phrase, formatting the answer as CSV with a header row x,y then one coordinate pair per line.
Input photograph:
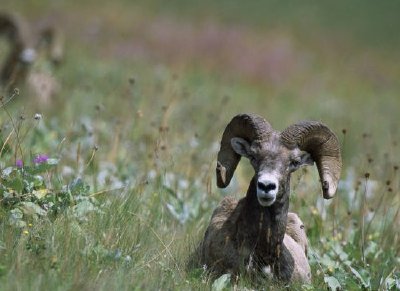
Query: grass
x,y
132,137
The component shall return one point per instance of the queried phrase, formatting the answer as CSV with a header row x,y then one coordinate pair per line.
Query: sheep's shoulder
x,y
219,246
225,212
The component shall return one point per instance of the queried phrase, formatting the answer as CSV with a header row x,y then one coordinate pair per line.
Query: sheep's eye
x,y
295,163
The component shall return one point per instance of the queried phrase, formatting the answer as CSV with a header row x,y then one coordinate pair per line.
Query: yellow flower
x,y
53,260
25,232
30,224
314,211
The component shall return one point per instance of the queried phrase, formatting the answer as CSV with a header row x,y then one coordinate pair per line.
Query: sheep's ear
x,y
241,146
306,159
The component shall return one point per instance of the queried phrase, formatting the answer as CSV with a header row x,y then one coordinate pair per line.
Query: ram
x,y
28,44
256,232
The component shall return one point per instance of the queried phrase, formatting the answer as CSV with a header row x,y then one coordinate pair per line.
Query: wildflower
x,y
37,116
54,259
40,159
314,211
25,232
19,163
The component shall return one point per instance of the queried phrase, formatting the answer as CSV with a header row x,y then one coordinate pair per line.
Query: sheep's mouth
x,y
266,201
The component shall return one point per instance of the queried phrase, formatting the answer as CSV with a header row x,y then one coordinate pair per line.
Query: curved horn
x,y
250,127
323,146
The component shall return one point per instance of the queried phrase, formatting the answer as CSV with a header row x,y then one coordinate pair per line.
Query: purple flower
x,y
19,163
40,159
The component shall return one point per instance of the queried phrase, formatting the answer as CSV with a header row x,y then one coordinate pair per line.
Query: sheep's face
x,y
273,163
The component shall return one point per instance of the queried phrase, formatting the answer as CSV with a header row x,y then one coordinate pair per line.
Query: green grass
x,y
141,130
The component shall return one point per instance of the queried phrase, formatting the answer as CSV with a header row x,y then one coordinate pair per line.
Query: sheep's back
x,y
301,271
295,229
295,241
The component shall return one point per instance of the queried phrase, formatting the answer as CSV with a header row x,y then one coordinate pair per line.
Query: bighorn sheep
x,y
257,232
26,46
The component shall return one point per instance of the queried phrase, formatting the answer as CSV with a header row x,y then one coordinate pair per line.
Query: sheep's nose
x,y
266,186
267,189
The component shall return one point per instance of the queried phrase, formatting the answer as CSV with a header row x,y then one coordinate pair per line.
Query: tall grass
x,y
132,143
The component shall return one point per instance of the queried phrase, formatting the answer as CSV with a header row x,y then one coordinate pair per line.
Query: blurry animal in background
x,y
33,53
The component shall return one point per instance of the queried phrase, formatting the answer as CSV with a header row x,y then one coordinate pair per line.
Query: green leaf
x,y
83,208
7,172
40,193
372,249
359,277
221,283
332,282
15,218
390,283
12,179
78,187
30,208
40,168
327,262
52,162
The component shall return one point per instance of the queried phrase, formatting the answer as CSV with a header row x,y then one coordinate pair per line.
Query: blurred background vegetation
x,y
146,88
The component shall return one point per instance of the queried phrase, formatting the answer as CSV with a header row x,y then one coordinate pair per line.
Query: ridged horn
x,y
323,146
250,127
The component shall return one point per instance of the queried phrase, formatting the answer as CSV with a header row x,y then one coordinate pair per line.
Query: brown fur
x,y
295,241
242,235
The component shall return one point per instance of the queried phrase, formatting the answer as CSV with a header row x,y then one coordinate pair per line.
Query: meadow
x,y
110,184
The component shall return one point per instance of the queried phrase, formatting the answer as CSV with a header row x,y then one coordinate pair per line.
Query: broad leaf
x,y
333,283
